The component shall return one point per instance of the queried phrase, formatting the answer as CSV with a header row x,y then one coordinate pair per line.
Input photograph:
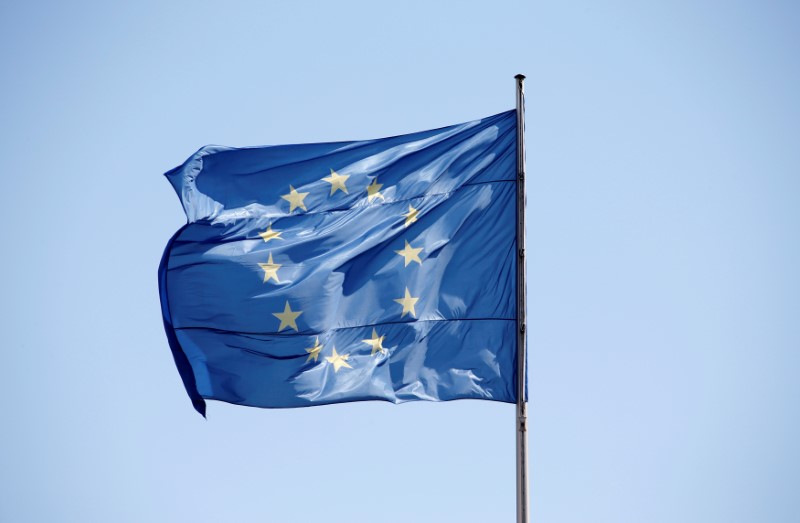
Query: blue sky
x,y
663,294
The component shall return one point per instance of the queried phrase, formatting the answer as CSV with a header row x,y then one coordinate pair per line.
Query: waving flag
x,y
369,270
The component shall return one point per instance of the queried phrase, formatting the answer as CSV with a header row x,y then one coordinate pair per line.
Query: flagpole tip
x,y
520,77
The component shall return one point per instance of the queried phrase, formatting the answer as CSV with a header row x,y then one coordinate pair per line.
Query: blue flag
x,y
369,270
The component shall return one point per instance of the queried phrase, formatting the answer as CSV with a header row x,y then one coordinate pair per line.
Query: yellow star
x,y
288,317
337,181
411,215
338,360
313,352
269,234
295,199
408,304
374,190
271,270
376,343
410,254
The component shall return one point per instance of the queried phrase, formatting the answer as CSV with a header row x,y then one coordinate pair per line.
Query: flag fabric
x,y
368,270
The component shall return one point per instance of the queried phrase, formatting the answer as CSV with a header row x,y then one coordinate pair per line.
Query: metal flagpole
x,y
522,408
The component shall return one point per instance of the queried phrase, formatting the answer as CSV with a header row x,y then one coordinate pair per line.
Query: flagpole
x,y
522,408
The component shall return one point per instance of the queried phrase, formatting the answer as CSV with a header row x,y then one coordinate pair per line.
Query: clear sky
x,y
664,290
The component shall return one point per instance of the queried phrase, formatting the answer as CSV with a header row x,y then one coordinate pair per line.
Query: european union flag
x,y
369,270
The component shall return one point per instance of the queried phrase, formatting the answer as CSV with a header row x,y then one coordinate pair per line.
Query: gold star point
x,y
288,317
271,270
338,360
411,215
410,254
313,352
269,234
408,302
376,342
337,181
295,199
374,190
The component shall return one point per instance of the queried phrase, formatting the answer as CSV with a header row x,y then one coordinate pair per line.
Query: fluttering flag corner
x,y
334,272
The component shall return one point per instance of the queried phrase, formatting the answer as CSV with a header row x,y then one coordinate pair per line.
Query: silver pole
x,y
522,408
